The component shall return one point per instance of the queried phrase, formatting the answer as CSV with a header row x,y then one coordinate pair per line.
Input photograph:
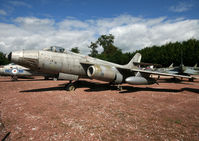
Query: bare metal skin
x,y
74,66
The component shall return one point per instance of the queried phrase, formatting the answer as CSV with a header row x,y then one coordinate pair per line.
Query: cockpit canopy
x,y
55,49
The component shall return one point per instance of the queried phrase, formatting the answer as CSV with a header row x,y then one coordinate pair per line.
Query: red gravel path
x,y
43,110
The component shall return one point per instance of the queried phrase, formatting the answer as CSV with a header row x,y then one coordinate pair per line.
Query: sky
x,y
135,24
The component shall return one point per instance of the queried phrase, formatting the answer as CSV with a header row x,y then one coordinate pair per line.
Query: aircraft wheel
x,y
119,87
46,78
70,87
55,79
14,78
191,79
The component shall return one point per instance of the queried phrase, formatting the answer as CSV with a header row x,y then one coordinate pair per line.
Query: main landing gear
x,y
71,86
191,79
14,78
119,87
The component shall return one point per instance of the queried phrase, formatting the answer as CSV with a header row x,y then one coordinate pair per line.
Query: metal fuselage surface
x,y
70,63
74,66
67,62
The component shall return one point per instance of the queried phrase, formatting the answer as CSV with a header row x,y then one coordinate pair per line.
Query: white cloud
x,y
73,24
181,7
131,33
20,3
3,12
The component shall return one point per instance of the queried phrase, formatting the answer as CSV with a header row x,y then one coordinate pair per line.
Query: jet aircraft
x,y
14,71
74,66
181,70
17,71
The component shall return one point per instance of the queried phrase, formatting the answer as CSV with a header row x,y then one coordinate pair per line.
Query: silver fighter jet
x,y
74,66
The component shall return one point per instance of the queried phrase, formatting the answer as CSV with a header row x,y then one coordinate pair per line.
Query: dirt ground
x,y
37,109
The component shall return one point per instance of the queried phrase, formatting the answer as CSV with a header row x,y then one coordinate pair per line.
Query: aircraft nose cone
x,y
15,56
1,71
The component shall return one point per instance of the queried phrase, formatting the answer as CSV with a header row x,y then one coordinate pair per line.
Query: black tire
x,y
70,87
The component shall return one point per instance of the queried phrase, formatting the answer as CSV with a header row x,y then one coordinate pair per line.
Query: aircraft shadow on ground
x,y
22,80
97,87
137,89
45,89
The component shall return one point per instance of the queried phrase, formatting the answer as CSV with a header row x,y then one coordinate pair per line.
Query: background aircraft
x,y
17,71
182,70
14,71
80,66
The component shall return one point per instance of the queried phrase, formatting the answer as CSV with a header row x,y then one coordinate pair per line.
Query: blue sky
x,y
36,24
93,9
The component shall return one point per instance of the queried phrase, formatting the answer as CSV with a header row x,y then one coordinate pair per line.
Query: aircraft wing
x,y
148,72
160,73
147,64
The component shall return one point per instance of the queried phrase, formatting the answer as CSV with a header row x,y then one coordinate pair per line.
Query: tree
x,y
3,59
110,51
93,48
106,41
164,54
75,50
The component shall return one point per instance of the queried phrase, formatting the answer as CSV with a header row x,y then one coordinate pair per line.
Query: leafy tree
x,y
3,59
75,50
110,51
93,48
164,54
172,52
106,41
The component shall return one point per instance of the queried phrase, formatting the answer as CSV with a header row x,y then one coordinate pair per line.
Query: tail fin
x,y
195,66
136,58
171,66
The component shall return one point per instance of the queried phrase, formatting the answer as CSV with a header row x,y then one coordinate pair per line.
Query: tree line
x,y
186,52
164,54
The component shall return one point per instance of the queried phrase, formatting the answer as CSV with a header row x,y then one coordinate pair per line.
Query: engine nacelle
x,y
67,76
104,73
135,80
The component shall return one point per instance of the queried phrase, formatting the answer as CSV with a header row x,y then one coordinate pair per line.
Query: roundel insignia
x,y
14,71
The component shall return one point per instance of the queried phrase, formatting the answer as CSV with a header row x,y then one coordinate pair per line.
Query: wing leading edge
x,y
160,73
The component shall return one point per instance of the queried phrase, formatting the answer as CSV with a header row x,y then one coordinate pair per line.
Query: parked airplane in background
x,y
182,70
14,71
75,66
17,71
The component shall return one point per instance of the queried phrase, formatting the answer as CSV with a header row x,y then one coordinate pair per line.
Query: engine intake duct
x,y
104,73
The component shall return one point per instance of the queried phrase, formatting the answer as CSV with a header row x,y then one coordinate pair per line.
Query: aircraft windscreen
x,y
55,49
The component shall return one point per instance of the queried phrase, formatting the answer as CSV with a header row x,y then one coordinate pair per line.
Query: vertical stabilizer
x,y
171,66
136,58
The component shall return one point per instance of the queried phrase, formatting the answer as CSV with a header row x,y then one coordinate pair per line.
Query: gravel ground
x,y
36,109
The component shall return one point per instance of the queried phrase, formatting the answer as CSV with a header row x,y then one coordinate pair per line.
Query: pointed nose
x,y
26,58
15,56
1,71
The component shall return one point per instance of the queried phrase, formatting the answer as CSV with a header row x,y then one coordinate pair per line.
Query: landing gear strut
x,y
14,78
119,87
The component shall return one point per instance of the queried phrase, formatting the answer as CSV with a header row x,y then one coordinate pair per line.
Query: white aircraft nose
x,y
1,71
27,58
